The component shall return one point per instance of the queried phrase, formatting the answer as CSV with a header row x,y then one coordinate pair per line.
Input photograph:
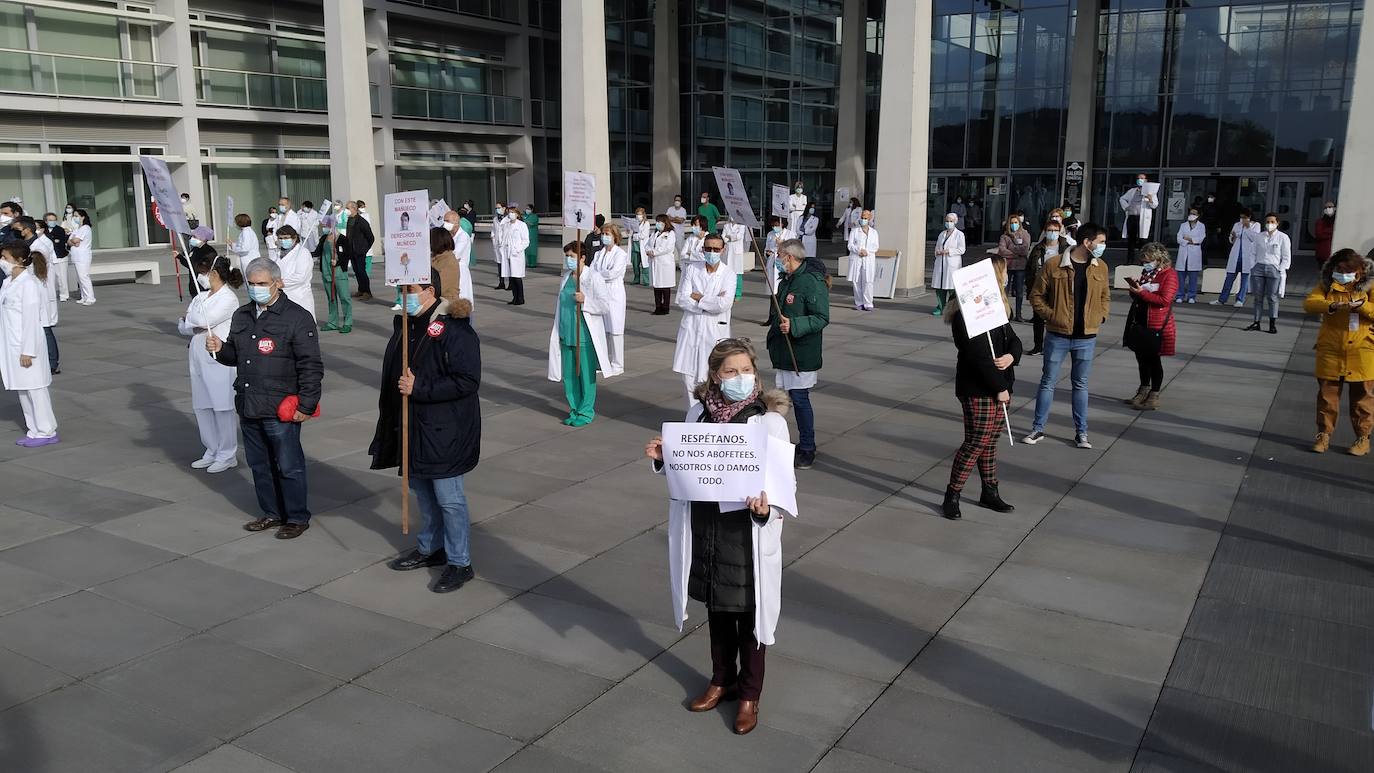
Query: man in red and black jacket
x,y
273,344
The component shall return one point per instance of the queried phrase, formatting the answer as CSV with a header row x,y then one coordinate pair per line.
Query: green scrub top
x,y
711,213
569,317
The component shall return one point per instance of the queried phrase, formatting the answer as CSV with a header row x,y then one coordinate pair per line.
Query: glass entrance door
x,y
1298,203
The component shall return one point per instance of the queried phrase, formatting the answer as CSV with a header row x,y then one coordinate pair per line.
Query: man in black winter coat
x,y
445,425
273,344
354,246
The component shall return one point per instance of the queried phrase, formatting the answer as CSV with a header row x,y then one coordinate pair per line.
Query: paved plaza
x,y
1195,593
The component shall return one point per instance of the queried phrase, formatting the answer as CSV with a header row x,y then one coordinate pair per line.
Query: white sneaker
x,y
1034,437
1216,302
202,463
1081,440
85,302
1192,300
62,300
397,307
222,466
1240,304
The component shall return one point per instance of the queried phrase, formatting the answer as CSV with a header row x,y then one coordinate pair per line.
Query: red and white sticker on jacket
x,y
435,329
267,345
791,298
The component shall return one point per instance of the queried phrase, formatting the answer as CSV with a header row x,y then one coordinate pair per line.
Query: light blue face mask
x,y
606,240
196,242
569,262
863,221
712,258
777,229
259,295
412,304
287,244
1344,279
738,388
1148,267
1015,226
949,224
1099,250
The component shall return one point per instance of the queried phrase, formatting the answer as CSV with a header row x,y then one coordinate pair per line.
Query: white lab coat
x,y
1275,249
1133,203
845,221
212,384
770,252
809,225
678,228
661,259
610,264
865,266
462,250
22,301
43,244
515,237
1250,236
796,207
80,253
297,268
705,322
1190,255
951,242
767,548
245,248
736,236
593,307
641,234
498,233
691,251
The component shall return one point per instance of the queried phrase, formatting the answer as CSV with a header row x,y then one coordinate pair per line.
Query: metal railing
x,y
435,104
74,75
260,90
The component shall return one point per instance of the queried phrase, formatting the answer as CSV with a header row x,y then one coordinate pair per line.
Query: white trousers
x,y
863,290
59,267
617,353
690,382
219,433
38,415
83,278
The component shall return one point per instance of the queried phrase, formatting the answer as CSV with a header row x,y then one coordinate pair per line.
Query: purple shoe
x,y
36,442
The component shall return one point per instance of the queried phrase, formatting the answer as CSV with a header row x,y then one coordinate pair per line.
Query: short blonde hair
x,y
1154,251
613,230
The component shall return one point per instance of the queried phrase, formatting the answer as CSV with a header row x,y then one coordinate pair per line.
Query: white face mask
x,y
450,227
1271,227
203,280
1192,218
1329,211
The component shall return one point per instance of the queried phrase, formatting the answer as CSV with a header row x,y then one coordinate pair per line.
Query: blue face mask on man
x,y
412,304
1099,250
712,258
287,244
259,295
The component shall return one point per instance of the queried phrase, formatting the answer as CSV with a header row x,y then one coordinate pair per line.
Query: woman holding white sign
x,y
577,343
983,380
863,261
610,264
730,561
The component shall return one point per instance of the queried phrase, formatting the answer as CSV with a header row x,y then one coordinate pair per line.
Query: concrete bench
x,y
144,271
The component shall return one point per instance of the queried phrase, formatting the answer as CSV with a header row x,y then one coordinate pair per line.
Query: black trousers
x,y
736,656
1151,370
662,297
360,270
1134,240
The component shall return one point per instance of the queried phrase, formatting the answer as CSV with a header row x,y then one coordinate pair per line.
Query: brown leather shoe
x,y
748,717
291,530
364,296
711,698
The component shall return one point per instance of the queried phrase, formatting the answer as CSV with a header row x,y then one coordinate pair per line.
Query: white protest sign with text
x,y
980,298
780,200
579,200
734,196
437,212
714,462
406,237
159,179
228,218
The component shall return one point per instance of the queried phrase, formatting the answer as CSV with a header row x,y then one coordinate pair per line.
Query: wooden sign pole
x,y
405,421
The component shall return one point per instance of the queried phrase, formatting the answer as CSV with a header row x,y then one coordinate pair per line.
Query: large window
x,y
630,102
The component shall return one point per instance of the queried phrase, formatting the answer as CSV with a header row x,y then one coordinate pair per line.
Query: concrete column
x,y
520,182
183,134
667,126
1080,132
586,130
1357,188
379,72
899,201
852,115
352,160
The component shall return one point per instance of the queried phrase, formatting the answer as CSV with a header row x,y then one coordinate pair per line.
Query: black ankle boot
x,y
951,507
1253,326
992,500
1273,325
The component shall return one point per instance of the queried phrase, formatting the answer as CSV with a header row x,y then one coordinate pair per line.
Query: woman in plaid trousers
x,y
983,380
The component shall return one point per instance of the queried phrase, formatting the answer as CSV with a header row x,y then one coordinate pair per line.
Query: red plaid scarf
x,y
723,411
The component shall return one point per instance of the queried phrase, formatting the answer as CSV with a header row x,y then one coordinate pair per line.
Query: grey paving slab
x,y
965,537
215,686
1281,592
606,644
181,528
909,563
596,532
1194,538
669,738
85,557
193,593
84,633
1169,574
352,729
841,761
231,759
533,759
639,590
867,595
301,563
1056,589
1291,637
23,678
333,638
517,562
861,645
487,686
82,728
1147,761
405,595
21,588
18,527
1090,702
930,733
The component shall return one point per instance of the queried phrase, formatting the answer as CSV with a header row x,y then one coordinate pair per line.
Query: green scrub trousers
x,y
532,251
579,388
340,302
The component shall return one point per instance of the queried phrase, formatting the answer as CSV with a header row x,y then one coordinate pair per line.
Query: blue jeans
x,y
1016,288
273,451
444,507
1187,285
806,419
1226,287
1056,348
1265,287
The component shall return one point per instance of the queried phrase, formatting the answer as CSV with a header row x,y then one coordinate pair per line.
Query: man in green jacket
x,y
532,251
794,338
708,211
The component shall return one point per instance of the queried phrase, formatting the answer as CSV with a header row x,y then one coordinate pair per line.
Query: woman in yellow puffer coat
x,y
1345,346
